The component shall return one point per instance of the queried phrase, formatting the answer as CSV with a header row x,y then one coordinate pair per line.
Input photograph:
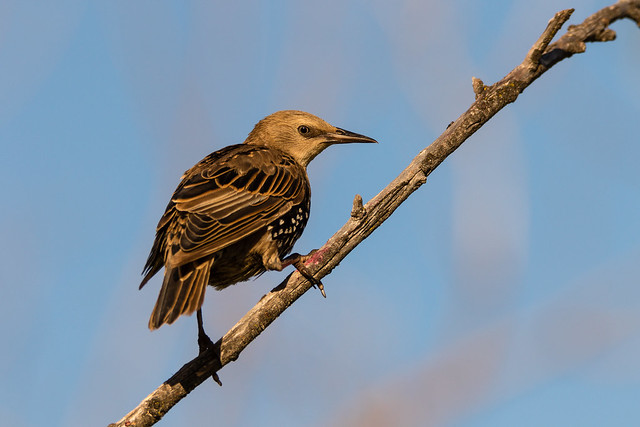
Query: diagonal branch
x,y
365,219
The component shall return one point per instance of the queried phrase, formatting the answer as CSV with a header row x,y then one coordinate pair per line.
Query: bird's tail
x,y
182,292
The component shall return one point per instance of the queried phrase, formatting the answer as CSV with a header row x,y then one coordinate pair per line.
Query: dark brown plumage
x,y
238,212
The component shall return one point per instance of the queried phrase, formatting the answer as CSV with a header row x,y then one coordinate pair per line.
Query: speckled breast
x,y
289,227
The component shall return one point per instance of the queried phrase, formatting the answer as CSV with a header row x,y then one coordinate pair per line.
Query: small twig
x,y
532,60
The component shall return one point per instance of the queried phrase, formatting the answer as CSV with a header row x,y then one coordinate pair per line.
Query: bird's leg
x,y
298,261
205,343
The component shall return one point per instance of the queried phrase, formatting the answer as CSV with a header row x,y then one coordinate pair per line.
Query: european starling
x,y
238,212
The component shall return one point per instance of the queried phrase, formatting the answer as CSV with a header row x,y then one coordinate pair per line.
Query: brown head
x,y
299,134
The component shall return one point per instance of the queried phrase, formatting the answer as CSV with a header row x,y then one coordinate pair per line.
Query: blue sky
x,y
504,292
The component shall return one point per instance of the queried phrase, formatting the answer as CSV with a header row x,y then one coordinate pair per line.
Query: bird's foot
x,y
204,344
298,261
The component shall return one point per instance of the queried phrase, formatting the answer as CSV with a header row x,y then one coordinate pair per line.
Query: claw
x,y
298,261
321,287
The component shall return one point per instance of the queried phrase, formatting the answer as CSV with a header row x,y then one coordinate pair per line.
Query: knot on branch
x,y
358,211
603,35
478,86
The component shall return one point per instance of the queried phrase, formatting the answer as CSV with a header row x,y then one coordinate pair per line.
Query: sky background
x,y
504,292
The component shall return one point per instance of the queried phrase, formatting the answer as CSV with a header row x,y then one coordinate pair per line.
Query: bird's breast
x,y
289,227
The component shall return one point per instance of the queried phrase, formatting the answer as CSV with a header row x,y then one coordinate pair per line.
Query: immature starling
x,y
238,212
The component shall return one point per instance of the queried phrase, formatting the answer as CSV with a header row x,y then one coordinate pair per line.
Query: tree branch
x,y
365,219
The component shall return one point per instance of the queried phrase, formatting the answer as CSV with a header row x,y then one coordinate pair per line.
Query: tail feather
x,y
182,292
191,297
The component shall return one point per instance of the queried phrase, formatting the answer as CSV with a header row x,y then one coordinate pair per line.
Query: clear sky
x,y
504,292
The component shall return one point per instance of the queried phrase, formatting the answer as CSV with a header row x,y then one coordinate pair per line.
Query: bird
x,y
237,213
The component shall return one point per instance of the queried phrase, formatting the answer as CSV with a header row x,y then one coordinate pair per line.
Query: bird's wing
x,y
229,196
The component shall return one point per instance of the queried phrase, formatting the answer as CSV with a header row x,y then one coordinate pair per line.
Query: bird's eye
x,y
303,130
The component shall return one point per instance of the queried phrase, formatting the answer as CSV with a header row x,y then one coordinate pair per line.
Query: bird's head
x,y
299,134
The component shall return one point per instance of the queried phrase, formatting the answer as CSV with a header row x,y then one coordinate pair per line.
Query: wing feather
x,y
228,197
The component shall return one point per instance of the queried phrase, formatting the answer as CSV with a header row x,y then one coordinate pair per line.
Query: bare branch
x,y
364,219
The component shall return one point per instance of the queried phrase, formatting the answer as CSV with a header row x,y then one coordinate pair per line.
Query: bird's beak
x,y
341,136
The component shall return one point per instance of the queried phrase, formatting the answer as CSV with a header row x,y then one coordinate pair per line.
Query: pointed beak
x,y
341,136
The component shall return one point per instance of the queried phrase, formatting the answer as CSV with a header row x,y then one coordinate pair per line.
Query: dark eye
x,y
303,130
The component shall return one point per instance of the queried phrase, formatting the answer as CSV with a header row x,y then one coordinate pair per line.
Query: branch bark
x,y
365,219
